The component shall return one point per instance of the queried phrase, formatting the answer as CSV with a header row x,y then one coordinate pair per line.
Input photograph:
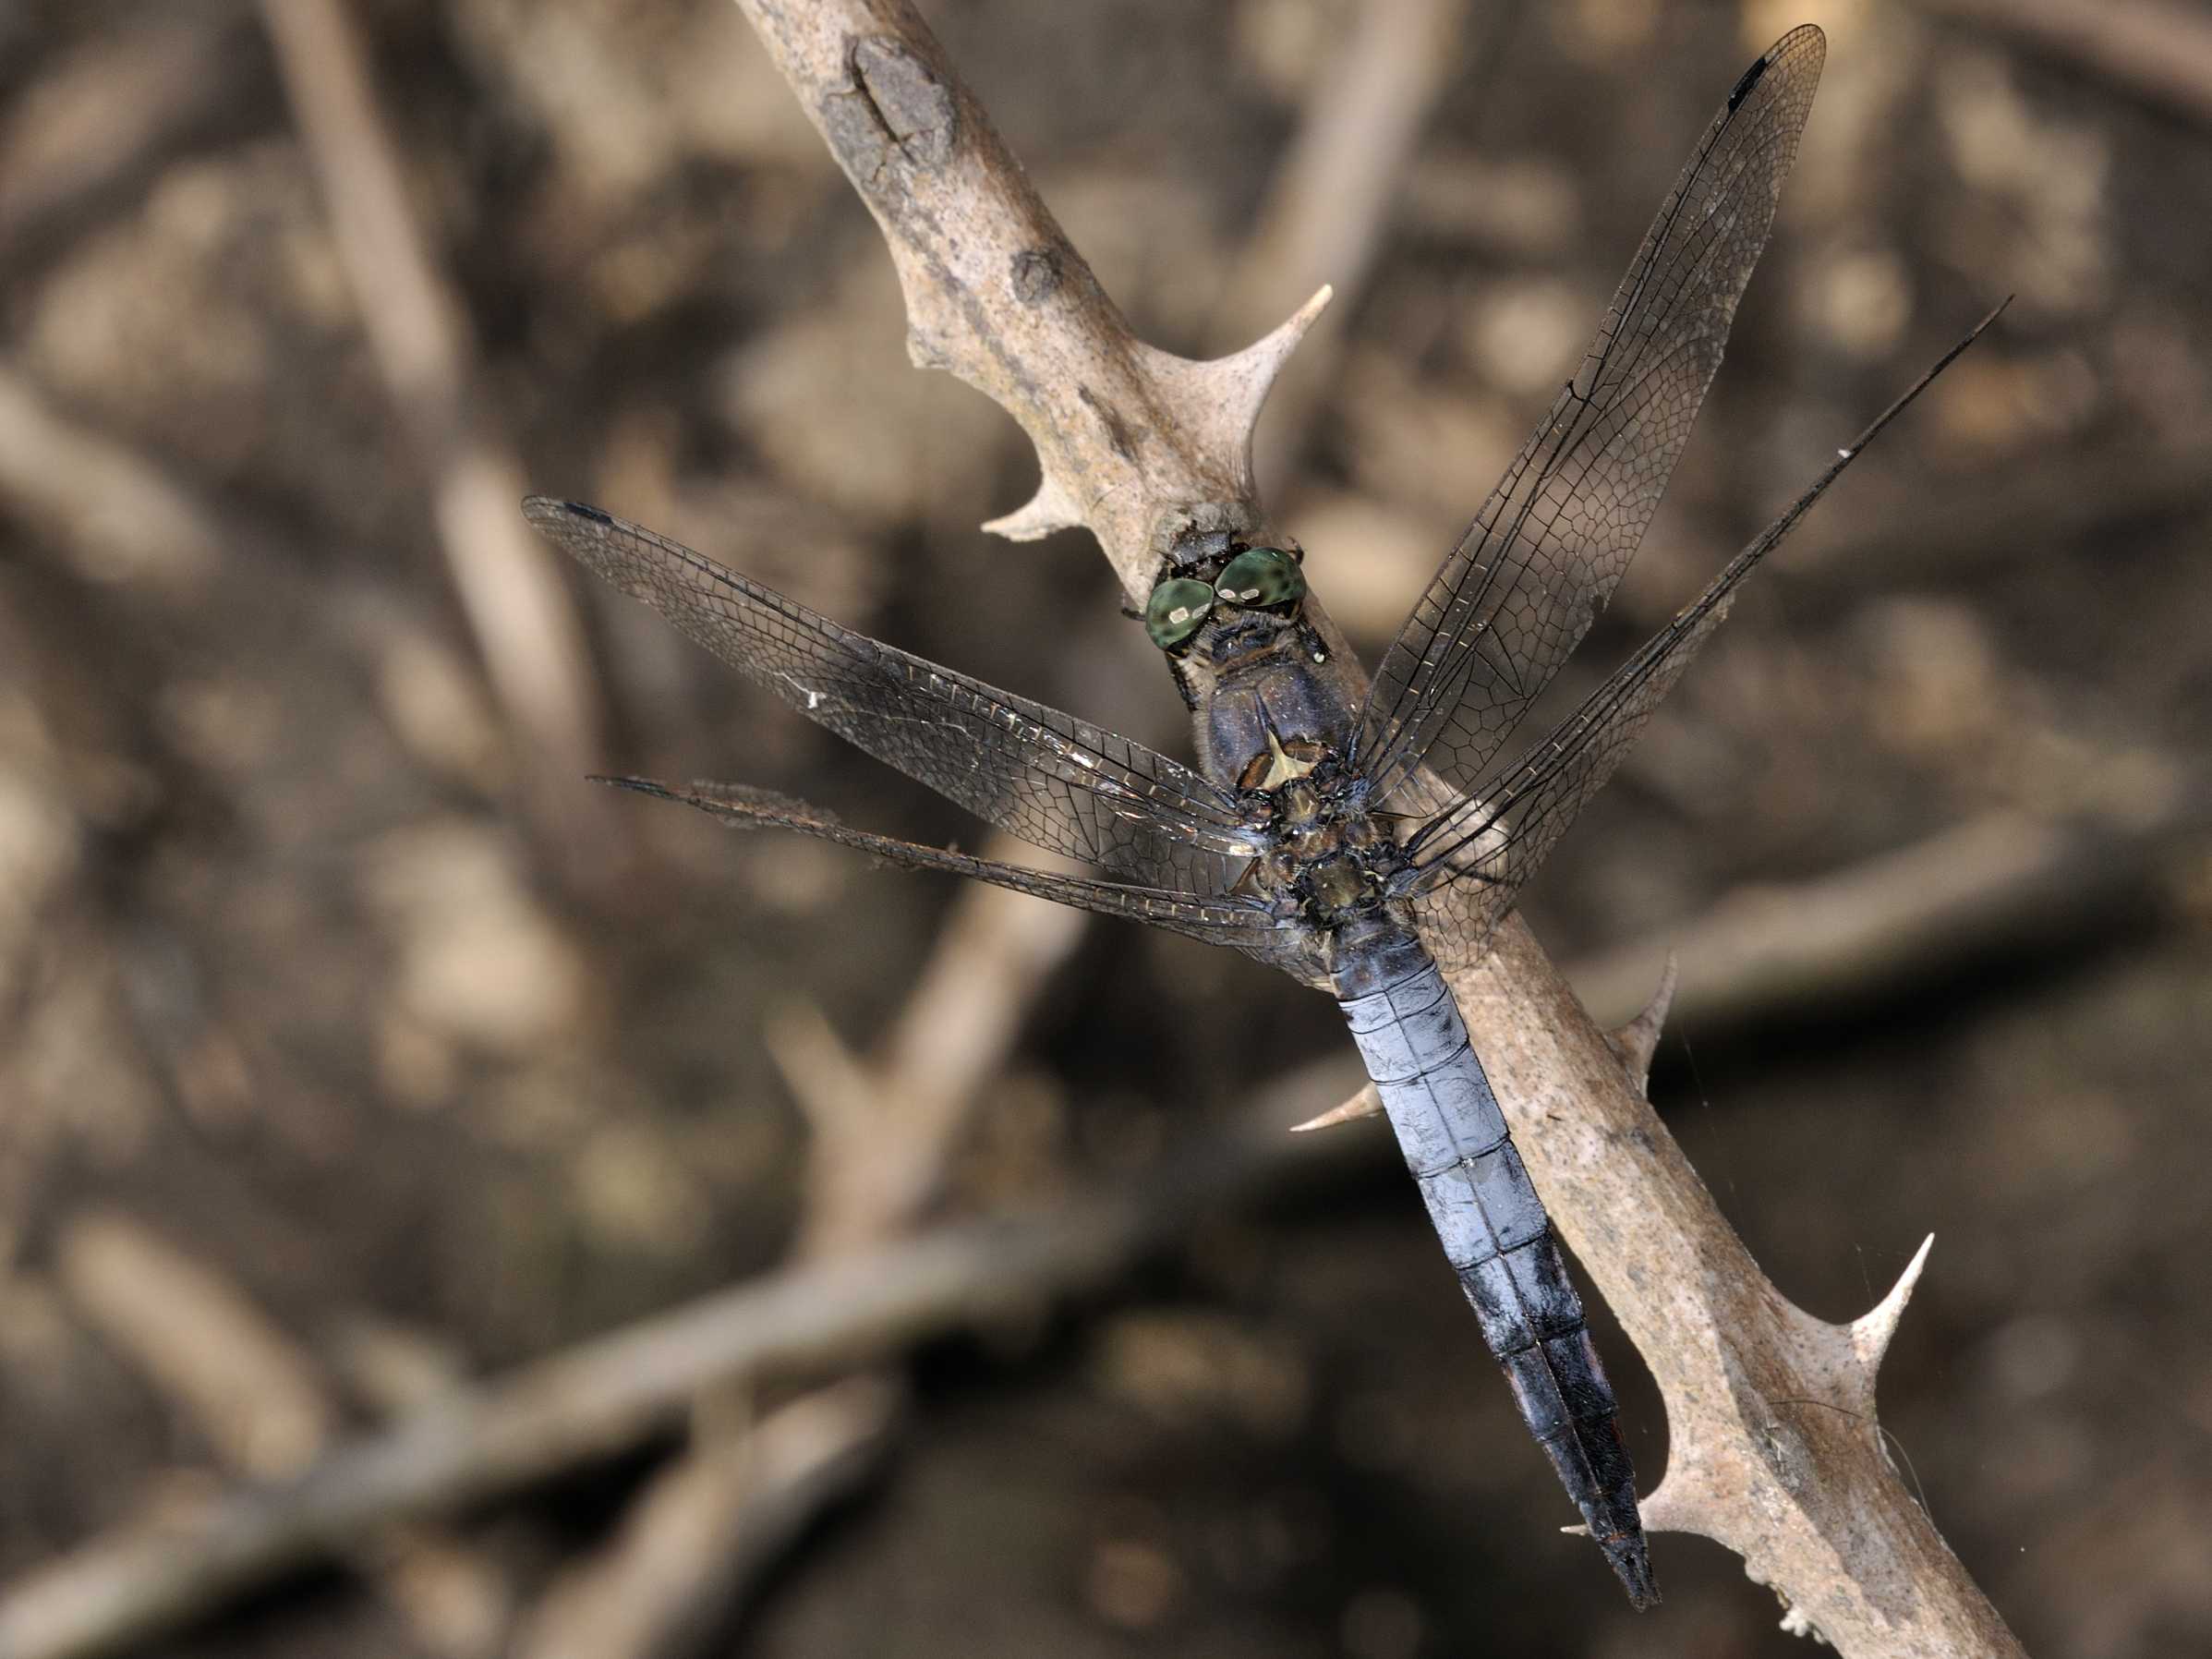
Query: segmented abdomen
x,y
1499,1241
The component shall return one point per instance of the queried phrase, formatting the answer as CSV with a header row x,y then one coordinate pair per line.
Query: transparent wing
x,y
1469,864
1542,557
1057,783
1242,924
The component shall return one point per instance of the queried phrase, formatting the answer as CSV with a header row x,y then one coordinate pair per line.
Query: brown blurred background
x,y
349,1042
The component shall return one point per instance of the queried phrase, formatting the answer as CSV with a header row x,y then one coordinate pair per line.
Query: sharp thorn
x,y
1871,1331
1365,1104
1637,1041
1044,512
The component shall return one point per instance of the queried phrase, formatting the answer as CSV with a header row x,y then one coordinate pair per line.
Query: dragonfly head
x,y
1232,597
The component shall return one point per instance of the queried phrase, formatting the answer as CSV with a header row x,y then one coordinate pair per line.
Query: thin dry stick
x,y
523,619
1330,205
261,1403
121,518
1770,1412
607,1395
714,1517
2001,882
883,1131
1855,932
2151,50
882,1138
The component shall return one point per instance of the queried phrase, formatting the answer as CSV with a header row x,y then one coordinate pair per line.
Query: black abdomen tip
x,y
1631,1558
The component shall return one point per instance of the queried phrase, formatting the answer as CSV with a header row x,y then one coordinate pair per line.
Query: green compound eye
x,y
1177,609
1260,579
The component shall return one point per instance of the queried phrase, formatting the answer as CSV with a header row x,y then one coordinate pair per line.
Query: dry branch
x,y
1770,1411
192,1333
1331,203
607,1395
1134,443
2002,883
886,1128
1856,936
1324,216
263,1405
120,518
2149,49
718,1515
523,619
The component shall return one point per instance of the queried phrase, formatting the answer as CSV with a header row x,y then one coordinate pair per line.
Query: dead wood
x,y
711,1521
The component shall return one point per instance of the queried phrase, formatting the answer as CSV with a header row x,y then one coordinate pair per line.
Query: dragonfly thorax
x,y
1328,857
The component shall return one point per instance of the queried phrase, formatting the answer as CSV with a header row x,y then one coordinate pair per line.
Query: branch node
x,y
1683,1501
914,107
1035,274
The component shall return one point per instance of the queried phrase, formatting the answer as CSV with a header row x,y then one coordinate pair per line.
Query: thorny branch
x,y
901,1112
1770,1412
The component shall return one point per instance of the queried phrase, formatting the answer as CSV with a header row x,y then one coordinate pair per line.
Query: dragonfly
x,y
1362,847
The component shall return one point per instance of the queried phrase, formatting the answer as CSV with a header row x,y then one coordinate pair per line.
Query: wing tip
x,y
642,786
551,509
1807,37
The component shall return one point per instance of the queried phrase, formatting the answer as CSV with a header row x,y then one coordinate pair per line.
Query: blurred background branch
x,y
605,1396
524,622
2147,49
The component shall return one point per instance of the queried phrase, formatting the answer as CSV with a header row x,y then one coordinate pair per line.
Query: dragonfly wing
x,y
1468,864
1542,557
1241,924
1057,781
